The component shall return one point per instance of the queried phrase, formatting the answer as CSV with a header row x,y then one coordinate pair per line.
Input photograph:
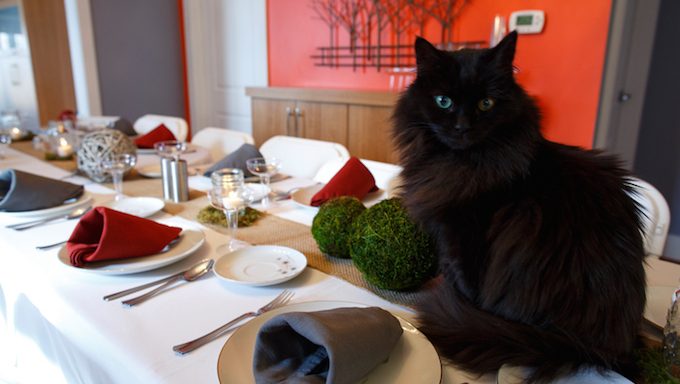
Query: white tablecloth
x,y
55,327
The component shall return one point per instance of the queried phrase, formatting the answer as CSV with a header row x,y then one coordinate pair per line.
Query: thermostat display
x,y
530,21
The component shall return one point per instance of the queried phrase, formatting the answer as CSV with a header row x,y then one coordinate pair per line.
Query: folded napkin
x,y
236,159
353,179
160,133
22,191
67,114
106,234
125,126
336,346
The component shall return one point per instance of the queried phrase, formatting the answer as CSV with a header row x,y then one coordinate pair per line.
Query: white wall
x,y
226,51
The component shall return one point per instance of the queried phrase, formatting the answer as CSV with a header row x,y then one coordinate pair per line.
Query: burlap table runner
x,y
273,230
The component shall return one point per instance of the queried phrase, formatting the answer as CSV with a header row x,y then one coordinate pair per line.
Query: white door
x,y
226,52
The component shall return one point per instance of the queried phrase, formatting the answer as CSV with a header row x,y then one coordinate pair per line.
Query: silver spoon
x,y
188,275
72,215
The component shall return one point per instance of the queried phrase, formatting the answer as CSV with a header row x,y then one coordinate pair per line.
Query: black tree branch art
x,y
367,22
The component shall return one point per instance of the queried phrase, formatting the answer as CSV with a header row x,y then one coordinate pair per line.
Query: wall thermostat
x,y
529,21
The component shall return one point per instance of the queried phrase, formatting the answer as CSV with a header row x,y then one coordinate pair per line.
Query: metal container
x,y
180,180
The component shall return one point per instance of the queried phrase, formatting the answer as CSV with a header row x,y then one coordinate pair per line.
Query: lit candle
x,y
232,202
15,133
64,149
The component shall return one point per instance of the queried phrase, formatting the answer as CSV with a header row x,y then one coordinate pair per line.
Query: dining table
x,y
55,327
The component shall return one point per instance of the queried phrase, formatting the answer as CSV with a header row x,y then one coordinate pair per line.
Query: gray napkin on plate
x,y
338,346
236,159
22,191
124,126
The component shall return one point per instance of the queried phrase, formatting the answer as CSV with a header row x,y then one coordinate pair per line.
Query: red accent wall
x,y
561,67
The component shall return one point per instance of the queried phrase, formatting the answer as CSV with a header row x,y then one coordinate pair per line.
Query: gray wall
x,y
658,153
138,57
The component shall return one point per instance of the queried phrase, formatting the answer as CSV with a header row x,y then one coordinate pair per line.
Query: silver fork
x,y
189,346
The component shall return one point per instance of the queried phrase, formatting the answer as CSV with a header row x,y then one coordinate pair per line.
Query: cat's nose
x,y
462,127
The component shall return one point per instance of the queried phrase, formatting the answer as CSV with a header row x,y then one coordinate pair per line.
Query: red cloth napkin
x,y
67,114
105,234
353,179
160,133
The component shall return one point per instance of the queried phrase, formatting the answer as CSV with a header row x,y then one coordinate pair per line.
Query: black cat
x,y
539,244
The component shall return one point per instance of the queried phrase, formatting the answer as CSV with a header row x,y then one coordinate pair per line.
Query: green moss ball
x,y
389,249
332,225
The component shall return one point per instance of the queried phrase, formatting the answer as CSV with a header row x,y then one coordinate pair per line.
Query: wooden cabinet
x,y
358,120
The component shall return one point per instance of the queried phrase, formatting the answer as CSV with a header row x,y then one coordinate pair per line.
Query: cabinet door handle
x,y
289,114
298,121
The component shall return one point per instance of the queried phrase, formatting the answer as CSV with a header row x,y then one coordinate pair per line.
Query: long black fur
x,y
539,244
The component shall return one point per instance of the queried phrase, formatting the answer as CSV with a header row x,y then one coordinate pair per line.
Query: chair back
x,y
657,216
302,157
221,141
177,125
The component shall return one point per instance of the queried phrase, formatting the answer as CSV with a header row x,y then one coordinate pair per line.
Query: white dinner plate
x,y
258,190
152,171
413,359
190,241
303,196
260,265
68,206
138,206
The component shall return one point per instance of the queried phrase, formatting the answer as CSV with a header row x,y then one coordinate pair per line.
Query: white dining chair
x,y
657,216
221,141
177,125
302,157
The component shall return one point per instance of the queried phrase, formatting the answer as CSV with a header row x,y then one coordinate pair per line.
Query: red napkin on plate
x,y
160,133
106,234
353,179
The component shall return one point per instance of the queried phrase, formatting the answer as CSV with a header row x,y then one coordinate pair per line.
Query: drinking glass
x,y
117,165
230,195
265,168
5,141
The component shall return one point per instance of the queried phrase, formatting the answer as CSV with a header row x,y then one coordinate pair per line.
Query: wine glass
x,y
117,165
5,141
230,198
170,148
265,168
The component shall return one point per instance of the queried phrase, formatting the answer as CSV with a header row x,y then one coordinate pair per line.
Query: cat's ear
x,y
504,52
427,56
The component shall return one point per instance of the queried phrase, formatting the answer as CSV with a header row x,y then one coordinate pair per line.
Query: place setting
x,y
117,166
353,179
27,199
109,242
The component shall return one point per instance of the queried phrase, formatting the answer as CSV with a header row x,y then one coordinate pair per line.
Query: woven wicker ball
x,y
99,146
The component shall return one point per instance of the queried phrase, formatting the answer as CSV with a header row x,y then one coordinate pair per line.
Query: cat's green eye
x,y
485,104
443,102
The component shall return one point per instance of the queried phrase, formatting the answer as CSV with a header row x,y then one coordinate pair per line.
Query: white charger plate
x,y
303,196
260,265
190,241
137,206
413,359
68,206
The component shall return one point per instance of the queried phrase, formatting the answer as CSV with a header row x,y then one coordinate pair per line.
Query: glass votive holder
x,y
227,178
60,147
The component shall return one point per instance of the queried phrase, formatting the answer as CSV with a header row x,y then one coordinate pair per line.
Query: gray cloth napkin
x,y
236,159
338,346
124,126
21,191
